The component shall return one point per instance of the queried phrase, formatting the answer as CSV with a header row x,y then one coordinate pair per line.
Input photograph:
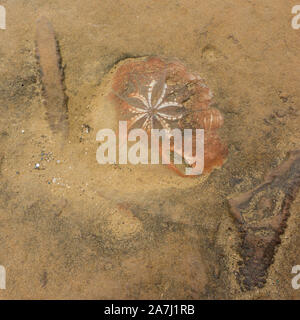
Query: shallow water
x,y
141,231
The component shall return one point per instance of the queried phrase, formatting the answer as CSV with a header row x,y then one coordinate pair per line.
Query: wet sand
x,y
75,229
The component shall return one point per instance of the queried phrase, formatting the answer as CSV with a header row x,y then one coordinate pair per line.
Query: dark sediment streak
x,y
262,214
52,77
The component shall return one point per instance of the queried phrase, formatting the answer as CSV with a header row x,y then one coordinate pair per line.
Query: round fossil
x,y
156,93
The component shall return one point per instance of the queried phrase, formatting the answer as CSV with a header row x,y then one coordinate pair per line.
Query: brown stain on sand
x,y
262,215
48,55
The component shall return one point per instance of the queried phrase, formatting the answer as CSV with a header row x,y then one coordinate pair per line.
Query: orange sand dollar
x,y
156,93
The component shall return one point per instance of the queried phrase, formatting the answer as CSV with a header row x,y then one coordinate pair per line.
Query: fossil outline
x,y
149,110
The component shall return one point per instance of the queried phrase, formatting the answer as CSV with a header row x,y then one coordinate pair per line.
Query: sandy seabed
x,y
72,229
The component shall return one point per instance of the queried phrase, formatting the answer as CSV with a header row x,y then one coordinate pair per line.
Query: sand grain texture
x,y
75,229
